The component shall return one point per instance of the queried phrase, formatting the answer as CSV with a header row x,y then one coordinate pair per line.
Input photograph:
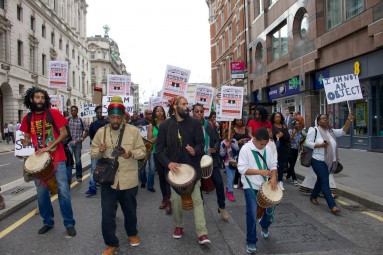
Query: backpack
x,y
50,120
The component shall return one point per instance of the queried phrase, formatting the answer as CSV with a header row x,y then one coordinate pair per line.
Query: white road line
x,y
5,164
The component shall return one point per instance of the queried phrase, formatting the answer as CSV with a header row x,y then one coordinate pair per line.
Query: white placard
x,y
231,102
58,75
342,88
204,95
127,101
57,104
175,82
116,85
21,150
87,110
144,131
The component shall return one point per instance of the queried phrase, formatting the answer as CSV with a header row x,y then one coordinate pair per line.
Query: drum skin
x,y
206,166
267,198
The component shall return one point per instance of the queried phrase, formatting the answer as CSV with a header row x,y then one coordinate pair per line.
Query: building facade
x,y
292,45
32,33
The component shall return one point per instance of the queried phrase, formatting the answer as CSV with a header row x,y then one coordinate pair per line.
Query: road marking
x,y
7,149
342,202
373,215
5,164
31,214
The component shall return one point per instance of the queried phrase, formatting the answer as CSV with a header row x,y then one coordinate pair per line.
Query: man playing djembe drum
x,y
37,100
180,140
253,172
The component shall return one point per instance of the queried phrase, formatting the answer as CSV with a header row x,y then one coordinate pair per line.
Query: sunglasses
x,y
201,111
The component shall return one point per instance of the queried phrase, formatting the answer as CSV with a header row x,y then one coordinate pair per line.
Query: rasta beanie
x,y
116,106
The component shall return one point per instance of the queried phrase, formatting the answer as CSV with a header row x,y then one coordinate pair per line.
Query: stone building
x,y
32,33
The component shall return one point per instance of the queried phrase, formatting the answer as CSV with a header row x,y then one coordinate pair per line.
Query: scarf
x,y
329,157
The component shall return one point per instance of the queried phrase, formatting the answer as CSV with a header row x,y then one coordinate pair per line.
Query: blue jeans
x,y
142,174
44,200
128,202
76,151
230,178
92,183
69,172
321,170
251,217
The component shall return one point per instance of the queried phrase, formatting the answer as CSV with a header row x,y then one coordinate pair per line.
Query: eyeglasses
x,y
201,111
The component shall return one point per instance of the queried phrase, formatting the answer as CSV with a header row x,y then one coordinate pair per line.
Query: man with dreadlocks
x,y
180,140
46,134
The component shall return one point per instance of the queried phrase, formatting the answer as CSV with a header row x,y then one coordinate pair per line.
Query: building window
x,y
230,36
304,26
33,21
239,47
67,49
73,54
322,102
73,79
258,7
228,7
19,13
2,45
93,71
337,11
222,17
43,64
32,58
61,44
104,55
53,38
223,44
224,72
78,60
43,31
104,71
92,55
217,49
271,2
218,76
1,4
279,43
19,53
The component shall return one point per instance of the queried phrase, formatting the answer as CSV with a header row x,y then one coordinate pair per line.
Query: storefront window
x,y
377,107
361,118
338,116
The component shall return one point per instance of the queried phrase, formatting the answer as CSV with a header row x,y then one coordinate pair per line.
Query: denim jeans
x,y
44,200
142,174
251,217
92,183
217,178
76,151
69,172
230,178
292,160
322,183
128,202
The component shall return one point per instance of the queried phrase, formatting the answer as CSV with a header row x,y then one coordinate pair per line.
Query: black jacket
x,y
214,143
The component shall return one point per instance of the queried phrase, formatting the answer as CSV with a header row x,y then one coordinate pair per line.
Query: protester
x,y
18,126
213,118
260,120
5,133
135,121
125,187
93,128
180,140
298,116
297,138
254,172
212,145
325,156
145,122
38,101
241,134
79,132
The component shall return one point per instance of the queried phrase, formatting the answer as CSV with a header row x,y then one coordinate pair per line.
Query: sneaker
x,y
44,229
91,191
203,239
151,190
295,183
143,185
235,186
110,250
71,231
251,248
177,234
229,195
281,185
79,179
224,214
265,233
134,241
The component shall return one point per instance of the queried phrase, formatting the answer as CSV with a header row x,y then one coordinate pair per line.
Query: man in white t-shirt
x,y
11,132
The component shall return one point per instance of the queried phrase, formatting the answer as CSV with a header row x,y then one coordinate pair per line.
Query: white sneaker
x,y
281,185
235,186
295,183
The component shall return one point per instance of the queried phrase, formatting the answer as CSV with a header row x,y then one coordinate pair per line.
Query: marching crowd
x,y
254,154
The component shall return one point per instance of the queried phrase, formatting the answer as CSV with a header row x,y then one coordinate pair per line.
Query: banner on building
x,y
116,85
231,102
58,75
204,95
57,104
175,82
237,70
127,100
21,150
342,88
128,84
88,110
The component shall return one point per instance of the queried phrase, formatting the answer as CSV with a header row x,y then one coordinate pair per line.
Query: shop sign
x,y
237,70
287,88
318,79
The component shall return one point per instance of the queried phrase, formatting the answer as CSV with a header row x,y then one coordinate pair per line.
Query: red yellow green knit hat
x,y
116,106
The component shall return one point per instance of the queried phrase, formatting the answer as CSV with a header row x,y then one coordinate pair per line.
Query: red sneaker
x,y
177,234
204,239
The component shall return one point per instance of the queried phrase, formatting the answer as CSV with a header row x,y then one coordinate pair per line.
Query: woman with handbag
x,y
229,151
322,140
297,138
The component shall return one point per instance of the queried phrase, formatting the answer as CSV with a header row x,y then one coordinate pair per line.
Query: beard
x,y
37,107
183,113
115,126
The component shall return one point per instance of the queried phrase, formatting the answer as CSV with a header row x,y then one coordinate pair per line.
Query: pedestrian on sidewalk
x,y
125,187
212,149
322,140
79,132
229,152
180,140
159,116
93,128
254,172
11,132
5,133
297,138
38,101
2,202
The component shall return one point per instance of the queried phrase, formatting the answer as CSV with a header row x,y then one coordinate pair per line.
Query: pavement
x,y
360,181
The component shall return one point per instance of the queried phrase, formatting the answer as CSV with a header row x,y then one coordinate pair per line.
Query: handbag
x,y
105,170
337,169
233,164
307,153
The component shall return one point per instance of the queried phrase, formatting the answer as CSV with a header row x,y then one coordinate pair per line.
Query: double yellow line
x,y
31,214
373,215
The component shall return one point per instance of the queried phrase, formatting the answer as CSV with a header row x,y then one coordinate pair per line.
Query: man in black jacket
x,y
212,144
180,140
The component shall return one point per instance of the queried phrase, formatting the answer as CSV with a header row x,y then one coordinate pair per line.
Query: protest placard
x,y
21,150
87,110
175,82
231,102
342,88
127,101
57,104
128,84
204,95
144,131
116,85
58,75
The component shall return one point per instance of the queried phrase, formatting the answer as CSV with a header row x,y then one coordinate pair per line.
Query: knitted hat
x,y
116,106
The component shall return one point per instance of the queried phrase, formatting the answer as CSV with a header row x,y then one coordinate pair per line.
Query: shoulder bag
x,y
105,170
307,153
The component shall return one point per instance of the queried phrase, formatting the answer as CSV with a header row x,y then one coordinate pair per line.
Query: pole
x,y
349,107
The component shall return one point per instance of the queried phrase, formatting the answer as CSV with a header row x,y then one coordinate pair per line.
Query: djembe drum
x,y
267,197
42,167
207,182
183,182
